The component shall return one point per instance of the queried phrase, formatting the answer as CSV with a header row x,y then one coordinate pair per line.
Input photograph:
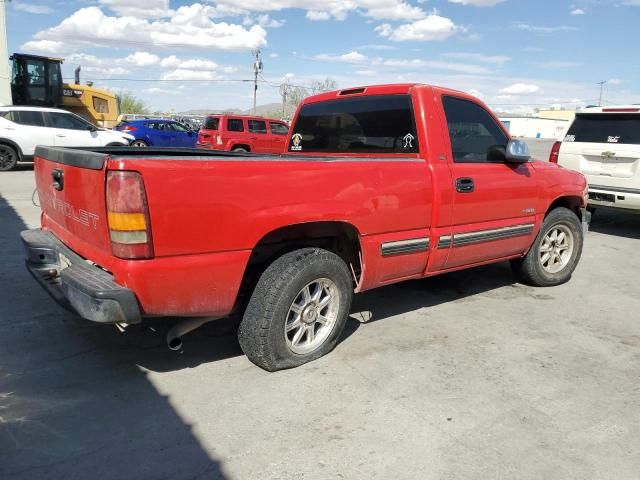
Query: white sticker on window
x,y
408,141
570,138
613,139
296,140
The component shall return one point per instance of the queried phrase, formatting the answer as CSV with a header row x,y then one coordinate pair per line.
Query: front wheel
x,y
298,309
139,143
240,150
8,158
555,252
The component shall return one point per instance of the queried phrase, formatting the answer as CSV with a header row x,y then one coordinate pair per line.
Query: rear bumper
x,y
614,197
76,284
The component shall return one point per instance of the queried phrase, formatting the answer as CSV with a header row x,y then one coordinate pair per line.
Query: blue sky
x,y
515,55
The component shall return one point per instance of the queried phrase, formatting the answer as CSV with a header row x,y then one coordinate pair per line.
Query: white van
x,y
604,144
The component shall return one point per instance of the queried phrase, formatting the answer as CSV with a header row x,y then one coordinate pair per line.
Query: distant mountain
x,y
261,110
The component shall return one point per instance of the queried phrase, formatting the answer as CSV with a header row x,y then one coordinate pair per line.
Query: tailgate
x,y
71,188
603,163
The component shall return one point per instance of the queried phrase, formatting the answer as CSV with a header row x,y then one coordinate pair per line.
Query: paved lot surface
x,y
464,376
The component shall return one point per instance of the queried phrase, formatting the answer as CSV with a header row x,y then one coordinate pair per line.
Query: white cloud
x,y
479,58
614,81
189,27
46,47
186,74
190,64
577,11
366,73
478,3
318,16
419,64
33,8
107,71
142,59
337,9
433,27
267,22
351,57
475,93
542,29
139,8
520,89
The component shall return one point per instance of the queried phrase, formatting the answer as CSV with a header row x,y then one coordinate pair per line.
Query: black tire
x,y
8,158
262,330
240,150
530,269
139,144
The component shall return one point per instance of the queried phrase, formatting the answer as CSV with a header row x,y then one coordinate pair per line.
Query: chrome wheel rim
x,y
556,249
138,143
312,316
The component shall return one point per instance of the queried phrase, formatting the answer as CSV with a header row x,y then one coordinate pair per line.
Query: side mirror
x,y
517,151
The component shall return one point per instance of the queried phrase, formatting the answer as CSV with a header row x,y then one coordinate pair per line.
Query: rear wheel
x,y
298,309
240,150
555,252
139,143
8,158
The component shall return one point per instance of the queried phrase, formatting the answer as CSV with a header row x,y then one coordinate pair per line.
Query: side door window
x,y
473,132
278,128
257,126
235,125
29,117
66,121
70,130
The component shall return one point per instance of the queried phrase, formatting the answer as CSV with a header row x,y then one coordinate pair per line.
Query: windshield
x,y
605,128
370,124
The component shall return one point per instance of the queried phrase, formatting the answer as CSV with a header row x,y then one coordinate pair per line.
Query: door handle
x,y
59,135
464,185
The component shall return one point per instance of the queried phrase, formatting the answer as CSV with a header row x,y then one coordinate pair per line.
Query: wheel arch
x,y
14,145
571,202
339,237
240,145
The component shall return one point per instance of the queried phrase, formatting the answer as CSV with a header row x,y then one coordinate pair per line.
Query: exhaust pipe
x,y
175,333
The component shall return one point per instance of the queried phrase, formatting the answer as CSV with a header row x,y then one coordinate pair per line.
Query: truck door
x,y
494,201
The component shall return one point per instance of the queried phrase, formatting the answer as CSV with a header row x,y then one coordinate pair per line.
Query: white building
x,y
534,127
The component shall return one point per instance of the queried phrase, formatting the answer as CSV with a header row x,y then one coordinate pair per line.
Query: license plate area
x,y
602,197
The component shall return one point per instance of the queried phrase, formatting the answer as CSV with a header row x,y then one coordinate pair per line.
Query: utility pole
x,y
601,87
5,83
257,68
284,91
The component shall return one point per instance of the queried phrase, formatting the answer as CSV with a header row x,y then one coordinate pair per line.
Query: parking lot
x,y
464,376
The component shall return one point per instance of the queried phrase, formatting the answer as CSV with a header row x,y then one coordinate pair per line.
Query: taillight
x,y
128,216
128,128
555,150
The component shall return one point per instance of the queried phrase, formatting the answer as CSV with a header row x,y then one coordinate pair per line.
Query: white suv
x,y
22,128
604,144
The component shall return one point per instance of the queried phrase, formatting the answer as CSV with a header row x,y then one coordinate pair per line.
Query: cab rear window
x,y
605,128
371,124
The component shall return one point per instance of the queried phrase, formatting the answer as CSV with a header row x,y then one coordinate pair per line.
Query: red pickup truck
x,y
380,184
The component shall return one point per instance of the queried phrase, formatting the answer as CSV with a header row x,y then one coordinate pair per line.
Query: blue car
x,y
158,133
